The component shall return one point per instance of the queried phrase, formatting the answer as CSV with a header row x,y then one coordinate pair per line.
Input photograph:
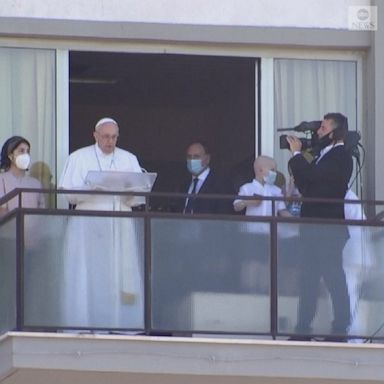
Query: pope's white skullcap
x,y
103,121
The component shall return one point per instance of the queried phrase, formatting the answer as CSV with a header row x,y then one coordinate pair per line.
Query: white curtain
x,y
306,90
28,104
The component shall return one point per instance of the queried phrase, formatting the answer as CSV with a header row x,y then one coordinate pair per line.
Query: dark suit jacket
x,y
327,179
213,184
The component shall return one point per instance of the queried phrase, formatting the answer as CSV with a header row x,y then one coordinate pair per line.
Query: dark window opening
x,y
162,103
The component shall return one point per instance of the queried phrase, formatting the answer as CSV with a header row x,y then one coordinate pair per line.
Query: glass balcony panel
x,y
306,265
287,275
367,269
84,272
8,276
210,276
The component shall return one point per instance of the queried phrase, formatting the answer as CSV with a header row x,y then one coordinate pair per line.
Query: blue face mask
x,y
270,178
195,166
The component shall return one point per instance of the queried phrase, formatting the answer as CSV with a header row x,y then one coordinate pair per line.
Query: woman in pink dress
x,y
15,161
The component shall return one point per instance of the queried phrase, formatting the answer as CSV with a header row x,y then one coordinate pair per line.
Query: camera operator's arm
x,y
295,145
324,178
333,169
300,166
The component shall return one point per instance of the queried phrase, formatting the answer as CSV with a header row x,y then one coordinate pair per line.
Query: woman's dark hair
x,y
9,146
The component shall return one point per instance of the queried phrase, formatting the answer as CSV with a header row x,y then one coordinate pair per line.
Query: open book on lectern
x,y
121,181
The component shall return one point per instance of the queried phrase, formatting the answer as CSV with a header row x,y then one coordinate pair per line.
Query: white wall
x,y
287,13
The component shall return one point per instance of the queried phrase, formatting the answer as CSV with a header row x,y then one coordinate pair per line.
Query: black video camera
x,y
304,126
306,143
351,140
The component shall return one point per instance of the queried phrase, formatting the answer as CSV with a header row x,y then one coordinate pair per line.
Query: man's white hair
x,y
103,121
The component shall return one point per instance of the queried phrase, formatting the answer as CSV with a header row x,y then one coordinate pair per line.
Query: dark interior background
x,y
162,103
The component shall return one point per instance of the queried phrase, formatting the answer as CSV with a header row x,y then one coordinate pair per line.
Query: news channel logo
x,y
362,18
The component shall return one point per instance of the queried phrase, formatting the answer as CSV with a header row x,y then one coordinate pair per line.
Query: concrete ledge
x,y
269,36
38,357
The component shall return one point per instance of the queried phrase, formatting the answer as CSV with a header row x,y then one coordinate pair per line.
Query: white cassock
x,y
103,257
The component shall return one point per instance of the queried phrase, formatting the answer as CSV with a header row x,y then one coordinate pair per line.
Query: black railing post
x,y
273,266
19,270
147,270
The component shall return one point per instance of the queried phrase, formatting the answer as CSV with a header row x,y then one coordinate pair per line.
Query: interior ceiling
x,y
130,66
144,77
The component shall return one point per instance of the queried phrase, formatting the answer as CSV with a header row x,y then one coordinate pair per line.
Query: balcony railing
x,y
158,272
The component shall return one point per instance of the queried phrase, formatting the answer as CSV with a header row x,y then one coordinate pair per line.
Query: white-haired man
x,y
104,155
102,280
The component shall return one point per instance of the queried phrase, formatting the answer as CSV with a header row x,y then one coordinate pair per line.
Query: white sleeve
x,y
73,176
243,191
135,164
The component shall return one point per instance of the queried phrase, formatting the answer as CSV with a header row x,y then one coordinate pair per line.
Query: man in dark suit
x,y
326,177
190,261
202,180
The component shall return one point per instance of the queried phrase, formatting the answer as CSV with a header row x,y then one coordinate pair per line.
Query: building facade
x,y
235,73
303,59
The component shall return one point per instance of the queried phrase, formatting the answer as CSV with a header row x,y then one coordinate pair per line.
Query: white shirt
x,y
267,190
201,178
325,150
265,207
200,181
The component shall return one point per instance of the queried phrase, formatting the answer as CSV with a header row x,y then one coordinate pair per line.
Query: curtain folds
x,y
306,90
28,105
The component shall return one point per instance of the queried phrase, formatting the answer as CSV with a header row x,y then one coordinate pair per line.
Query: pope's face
x,y
106,137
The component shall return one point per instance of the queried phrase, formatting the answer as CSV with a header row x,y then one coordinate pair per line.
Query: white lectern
x,y
117,181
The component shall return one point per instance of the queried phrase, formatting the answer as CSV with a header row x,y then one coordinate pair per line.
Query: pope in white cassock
x,y
103,285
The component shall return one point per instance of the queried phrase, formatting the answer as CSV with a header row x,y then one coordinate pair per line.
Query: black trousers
x,y
321,250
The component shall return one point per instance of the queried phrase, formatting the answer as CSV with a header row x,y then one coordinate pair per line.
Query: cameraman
x,y
327,176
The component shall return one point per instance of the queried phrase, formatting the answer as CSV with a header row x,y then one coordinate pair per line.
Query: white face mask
x,y
22,161
270,178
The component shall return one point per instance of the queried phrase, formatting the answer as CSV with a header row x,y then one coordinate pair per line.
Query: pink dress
x,y
8,182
